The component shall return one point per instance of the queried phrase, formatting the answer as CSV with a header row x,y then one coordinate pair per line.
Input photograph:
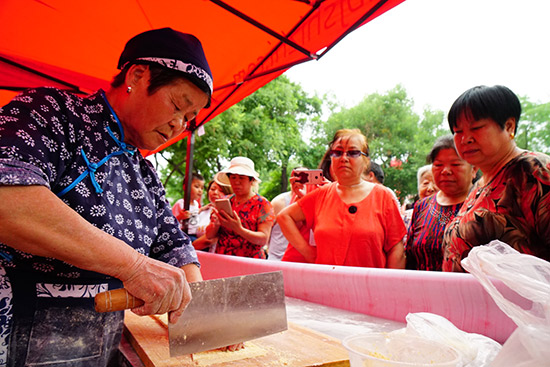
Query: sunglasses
x,y
349,153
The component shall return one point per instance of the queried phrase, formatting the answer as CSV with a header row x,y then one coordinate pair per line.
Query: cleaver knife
x,y
222,311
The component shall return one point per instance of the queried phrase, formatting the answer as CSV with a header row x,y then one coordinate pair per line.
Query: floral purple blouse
x,y
55,139
75,147
425,233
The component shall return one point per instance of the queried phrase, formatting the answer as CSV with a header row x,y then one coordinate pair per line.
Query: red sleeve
x,y
177,210
394,226
309,202
266,212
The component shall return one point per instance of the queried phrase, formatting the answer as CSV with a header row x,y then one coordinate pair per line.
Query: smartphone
x,y
309,176
224,205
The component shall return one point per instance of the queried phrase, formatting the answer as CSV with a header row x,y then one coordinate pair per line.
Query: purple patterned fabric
x,y
43,135
425,233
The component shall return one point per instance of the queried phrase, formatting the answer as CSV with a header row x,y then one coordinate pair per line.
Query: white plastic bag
x,y
528,276
475,350
526,347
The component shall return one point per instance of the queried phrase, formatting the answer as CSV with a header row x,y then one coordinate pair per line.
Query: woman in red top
x,y
245,231
298,191
355,222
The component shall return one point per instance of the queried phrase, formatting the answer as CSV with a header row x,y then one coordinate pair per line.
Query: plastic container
x,y
398,350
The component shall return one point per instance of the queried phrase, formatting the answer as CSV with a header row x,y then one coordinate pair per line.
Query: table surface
x,y
327,320
335,322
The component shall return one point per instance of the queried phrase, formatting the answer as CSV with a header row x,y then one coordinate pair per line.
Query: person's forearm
x,y
203,242
395,259
36,221
192,273
292,234
255,237
211,231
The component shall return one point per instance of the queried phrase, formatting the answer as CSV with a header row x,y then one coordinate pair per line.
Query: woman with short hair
x,y
511,199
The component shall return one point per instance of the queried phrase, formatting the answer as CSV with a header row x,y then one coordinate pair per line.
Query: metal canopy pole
x,y
189,169
188,176
74,88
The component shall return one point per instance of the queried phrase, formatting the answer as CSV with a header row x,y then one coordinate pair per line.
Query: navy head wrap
x,y
171,49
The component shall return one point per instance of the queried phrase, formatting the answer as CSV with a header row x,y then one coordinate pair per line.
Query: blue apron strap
x,y
92,167
123,146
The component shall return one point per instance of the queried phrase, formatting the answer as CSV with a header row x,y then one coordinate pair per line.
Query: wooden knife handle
x,y
116,300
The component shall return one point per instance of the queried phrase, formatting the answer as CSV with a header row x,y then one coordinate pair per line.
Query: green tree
x,y
265,127
398,138
533,131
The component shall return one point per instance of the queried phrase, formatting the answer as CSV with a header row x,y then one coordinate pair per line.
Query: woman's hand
x,y
258,237
33,226
289,219
183,215
395,258
207,206
163,287
324,182
308,252
232,223
297,187
211,231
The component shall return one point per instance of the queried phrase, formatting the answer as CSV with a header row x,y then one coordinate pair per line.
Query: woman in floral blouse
x,y
83,211
246,231
511,201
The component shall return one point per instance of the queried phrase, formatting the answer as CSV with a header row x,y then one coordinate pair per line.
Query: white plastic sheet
x,y
528,276
475,350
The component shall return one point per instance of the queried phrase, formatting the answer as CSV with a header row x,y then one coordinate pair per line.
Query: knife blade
x,y
222,311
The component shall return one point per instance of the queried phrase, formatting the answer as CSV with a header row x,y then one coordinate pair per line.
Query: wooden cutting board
x,y
297,346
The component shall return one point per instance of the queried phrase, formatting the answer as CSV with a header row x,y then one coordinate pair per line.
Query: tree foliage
x,y
280,126
265,127
533,132
398,138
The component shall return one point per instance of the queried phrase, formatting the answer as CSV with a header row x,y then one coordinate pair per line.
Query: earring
x,y
129,89
512,135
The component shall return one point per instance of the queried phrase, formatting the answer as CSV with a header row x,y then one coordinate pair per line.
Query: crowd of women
x,y
83,211
348,220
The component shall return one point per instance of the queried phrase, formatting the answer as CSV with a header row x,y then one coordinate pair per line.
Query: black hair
x,y
377,170
443,142
195,176
497,103
225,189
249,177
324,165
119,79
209,186
160,77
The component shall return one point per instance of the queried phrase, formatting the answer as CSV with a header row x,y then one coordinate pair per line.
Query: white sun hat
x,y
239,166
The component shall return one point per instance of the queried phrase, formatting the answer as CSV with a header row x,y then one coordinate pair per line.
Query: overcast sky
x,y
437,49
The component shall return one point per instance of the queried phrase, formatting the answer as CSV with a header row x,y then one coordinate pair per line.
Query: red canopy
x,y
75,45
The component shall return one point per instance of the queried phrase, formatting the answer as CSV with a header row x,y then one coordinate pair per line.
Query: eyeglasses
x,y
349,153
